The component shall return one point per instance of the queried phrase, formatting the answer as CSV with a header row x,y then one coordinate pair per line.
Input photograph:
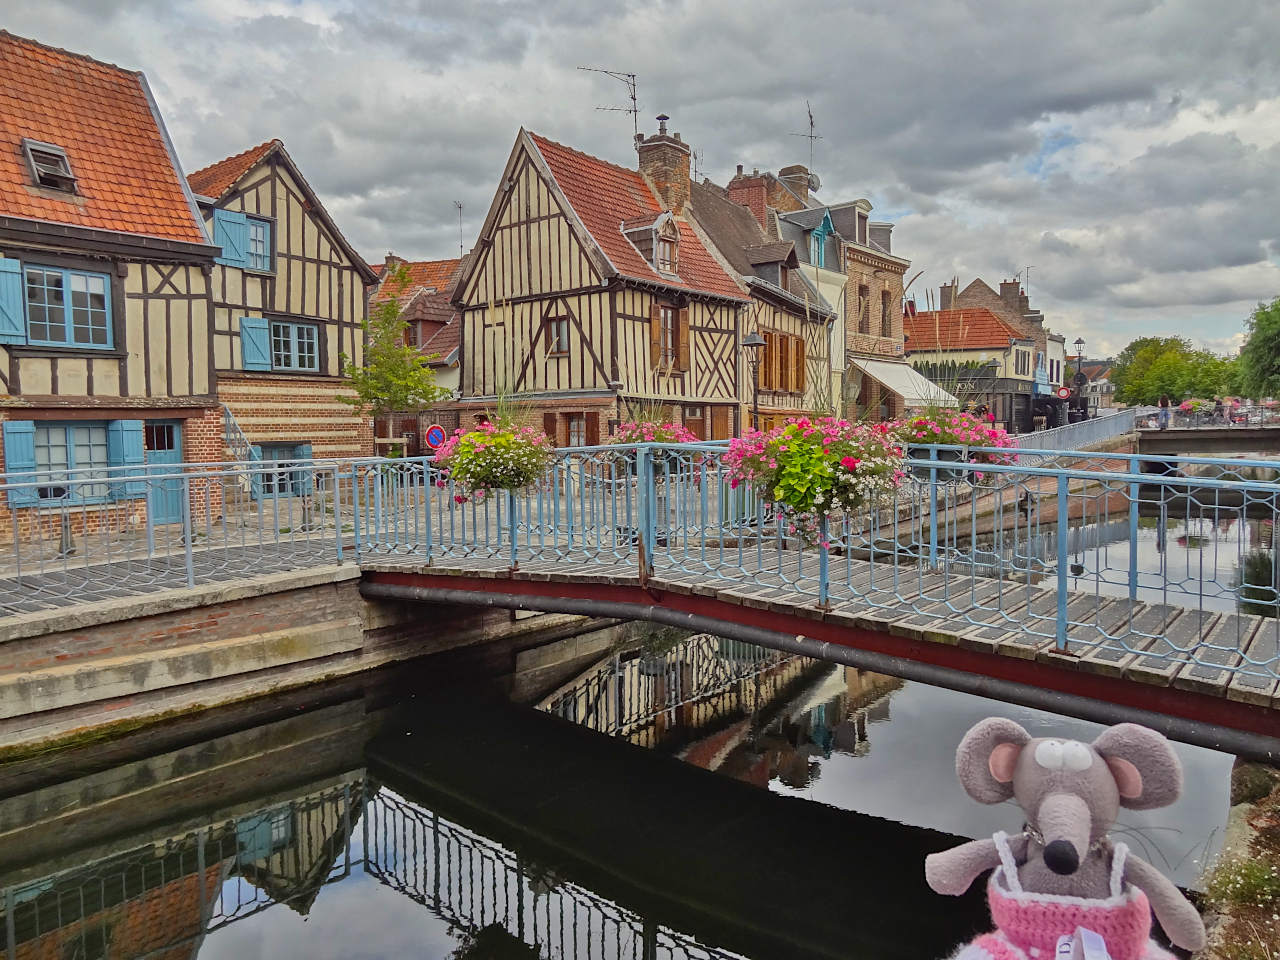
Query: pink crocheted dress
x,y
1028,925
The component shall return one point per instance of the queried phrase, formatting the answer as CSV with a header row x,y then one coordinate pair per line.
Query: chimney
x,y
664,160
947,296
882,235
1010,292
796,177
749,190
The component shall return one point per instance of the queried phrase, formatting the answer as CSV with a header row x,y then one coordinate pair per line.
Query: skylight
x,y
49,166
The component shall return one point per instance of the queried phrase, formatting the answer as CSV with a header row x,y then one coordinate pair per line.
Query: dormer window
x,y
666,255
49,166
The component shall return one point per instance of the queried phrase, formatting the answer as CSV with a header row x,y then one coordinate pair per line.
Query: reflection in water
x,y
172,896
827,733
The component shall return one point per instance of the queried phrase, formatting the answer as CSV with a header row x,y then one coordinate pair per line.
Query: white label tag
x,y
1084,945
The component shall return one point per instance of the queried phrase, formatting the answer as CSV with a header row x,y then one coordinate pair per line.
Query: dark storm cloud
x,y
1128,148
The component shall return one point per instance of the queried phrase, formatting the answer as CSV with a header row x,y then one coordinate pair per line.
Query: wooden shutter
x,y
20,458
720,423
13,328
784,362
682,339
231,233
655,334
797,357
124,449
593,427
549,428
767,362
255,343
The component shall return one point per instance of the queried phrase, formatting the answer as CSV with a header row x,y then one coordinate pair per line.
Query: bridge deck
x,y
1158,645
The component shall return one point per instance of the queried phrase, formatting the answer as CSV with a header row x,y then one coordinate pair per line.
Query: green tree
x,y
1151,367
395,377
1260,356
1132,363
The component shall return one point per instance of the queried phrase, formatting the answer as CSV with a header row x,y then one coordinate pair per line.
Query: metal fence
x,y
1081,435
1153,562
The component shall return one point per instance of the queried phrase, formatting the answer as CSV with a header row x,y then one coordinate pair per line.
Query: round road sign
x,y
434,436
1064,393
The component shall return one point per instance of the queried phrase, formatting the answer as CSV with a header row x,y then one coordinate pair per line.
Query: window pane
x,y
306,337
281,346
46,317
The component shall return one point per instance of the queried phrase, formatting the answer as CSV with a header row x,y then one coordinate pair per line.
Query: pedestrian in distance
x,y
1219,411
1166,407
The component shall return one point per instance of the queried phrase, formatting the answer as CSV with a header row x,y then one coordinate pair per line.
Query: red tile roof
x,y
970,329
443,343
217,178
102,116
605,196
438,275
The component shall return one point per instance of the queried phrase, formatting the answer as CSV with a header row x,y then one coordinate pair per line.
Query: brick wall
x,y
297,410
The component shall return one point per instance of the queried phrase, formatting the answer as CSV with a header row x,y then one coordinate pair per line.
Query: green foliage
x,y
492,457
1152,367
1260,357
395,377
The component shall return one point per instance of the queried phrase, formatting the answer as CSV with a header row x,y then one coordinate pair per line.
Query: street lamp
x,y
753,343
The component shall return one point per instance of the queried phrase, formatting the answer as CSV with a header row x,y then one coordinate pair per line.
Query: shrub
x,y
493,457
646,431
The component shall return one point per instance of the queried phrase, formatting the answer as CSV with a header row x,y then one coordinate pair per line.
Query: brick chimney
x,y
664,160
749,190
796,177
1010,293
947,296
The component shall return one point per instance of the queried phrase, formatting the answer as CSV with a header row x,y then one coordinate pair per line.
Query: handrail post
x,y
337,511
933,508
645,512
356,518
1134,489
824,556
1061,632
186,530
428,497
511,525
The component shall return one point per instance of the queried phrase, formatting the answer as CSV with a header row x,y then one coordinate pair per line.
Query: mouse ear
x,y
986,758
1147,772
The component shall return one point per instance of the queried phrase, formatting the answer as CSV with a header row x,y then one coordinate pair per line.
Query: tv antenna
x,y
630,80
697,163
458,204
811,136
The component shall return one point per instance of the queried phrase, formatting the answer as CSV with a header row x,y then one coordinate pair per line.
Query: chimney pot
x,y
739,169
755,171
676,135
662,124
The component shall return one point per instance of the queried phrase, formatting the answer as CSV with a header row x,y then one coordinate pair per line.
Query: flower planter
x,y
943,456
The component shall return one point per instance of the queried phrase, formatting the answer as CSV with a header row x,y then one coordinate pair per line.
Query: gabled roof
x,y
434,275
128,179
217,178
968,329
604,196
810,219
444,344
216,181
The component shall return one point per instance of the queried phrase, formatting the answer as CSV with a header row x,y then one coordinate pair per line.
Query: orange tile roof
x,y
605,196
438,275
969,329
101,115
217,178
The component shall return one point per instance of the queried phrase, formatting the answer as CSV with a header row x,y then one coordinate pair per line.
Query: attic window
x,y
666,255
49,165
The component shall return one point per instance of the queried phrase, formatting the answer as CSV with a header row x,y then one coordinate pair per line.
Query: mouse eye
x,y
1049,754
1076,756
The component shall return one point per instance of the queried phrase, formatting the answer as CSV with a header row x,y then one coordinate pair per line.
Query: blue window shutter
x,y
231,233
304,477
255,343
255,482
20,459
124,449
13,325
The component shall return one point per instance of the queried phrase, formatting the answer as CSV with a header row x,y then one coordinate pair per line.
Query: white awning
x,y
915,389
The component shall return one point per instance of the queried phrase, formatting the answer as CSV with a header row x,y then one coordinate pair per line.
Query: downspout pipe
x,y
1242,743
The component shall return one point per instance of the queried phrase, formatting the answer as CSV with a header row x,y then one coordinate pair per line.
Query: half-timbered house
x,y
104,268
592,298
793,370
288,299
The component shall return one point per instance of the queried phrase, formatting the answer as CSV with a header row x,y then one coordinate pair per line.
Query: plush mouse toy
x,y
1062,872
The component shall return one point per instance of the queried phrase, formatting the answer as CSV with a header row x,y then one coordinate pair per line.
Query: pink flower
x,y
850,463
991,418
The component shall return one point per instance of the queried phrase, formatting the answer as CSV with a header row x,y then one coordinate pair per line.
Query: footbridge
x,y
1090,584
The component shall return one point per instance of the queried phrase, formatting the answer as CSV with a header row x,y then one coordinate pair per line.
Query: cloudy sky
x,y
1128,151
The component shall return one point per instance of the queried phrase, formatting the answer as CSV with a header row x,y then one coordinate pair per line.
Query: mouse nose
x,y
1060,856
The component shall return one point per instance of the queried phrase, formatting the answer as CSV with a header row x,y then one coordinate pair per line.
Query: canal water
x,y
683,797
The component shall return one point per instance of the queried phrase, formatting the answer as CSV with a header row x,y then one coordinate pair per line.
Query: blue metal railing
x,y
1160,563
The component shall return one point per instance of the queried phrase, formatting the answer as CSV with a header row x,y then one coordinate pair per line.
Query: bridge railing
x,y
1083,434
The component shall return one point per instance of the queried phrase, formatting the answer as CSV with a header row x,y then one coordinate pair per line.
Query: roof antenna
x,y
458,204
630,80
811,136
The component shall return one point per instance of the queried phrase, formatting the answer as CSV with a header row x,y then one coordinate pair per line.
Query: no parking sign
x,y
434,436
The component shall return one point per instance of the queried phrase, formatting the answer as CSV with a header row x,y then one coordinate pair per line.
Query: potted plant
x,y
810,470
492,457
954,428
